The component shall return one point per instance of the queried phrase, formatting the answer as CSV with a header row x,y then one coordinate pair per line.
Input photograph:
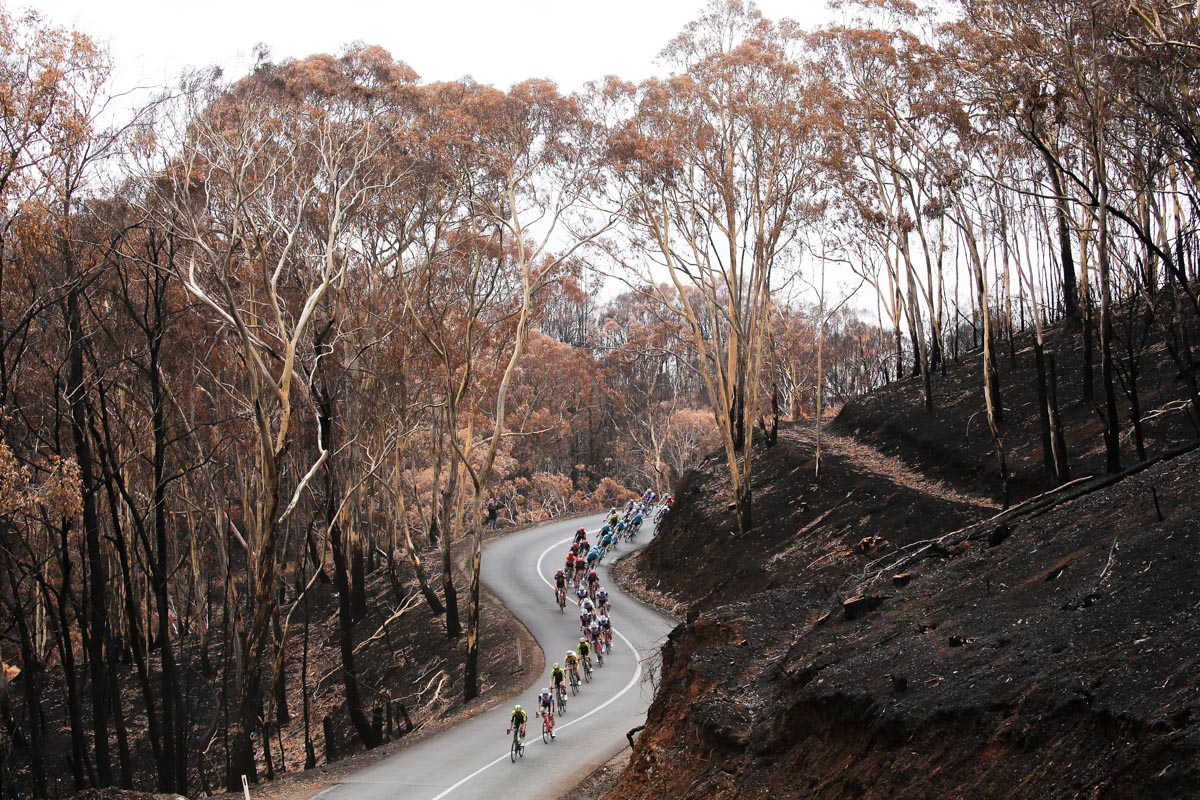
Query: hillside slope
x,y
1043,652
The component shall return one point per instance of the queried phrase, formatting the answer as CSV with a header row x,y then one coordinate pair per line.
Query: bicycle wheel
x,y
512,753
599,657
562,701
587,674
545,731
574,684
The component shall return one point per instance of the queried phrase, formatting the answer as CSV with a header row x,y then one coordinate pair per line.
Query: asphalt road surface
x,y
471,760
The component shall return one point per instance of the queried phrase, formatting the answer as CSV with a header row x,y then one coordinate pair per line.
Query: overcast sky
x,y
496,42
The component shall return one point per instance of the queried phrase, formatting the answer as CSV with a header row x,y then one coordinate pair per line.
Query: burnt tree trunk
x,y
341,582
95,632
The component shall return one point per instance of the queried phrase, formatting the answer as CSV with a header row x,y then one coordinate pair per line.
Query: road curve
x,y
471,759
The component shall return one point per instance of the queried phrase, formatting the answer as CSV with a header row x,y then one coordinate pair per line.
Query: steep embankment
x,y
1045,652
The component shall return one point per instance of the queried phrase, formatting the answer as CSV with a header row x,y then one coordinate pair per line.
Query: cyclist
x,y
560,587
635,525
608,541
585,650
593,634
569,568
518,718
586,615
557,678
593,558
606,631
588,604
613,517
605,529
572,662
581,592
580,535
581,549
602,600
545,702
593,582
580,566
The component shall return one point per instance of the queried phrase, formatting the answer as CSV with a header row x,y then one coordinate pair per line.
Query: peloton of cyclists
x,y
595,624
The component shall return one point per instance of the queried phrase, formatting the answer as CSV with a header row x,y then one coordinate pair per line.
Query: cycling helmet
x,y
571,653
517,708
592,573
582,530
555,665
545,690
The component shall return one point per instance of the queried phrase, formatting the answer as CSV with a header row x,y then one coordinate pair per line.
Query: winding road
x,y
471,760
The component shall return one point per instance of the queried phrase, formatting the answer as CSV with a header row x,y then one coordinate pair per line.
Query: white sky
x,y
498,42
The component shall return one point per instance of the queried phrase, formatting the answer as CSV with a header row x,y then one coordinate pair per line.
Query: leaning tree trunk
x,y
410,551
1058,440
990,388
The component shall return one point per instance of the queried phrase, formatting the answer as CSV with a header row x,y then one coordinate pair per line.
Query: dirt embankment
x,y
886,631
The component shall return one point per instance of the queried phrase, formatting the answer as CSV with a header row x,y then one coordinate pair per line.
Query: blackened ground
x,y
953,442
1048,653
408,659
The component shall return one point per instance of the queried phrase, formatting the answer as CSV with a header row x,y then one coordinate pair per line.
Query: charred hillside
x,y
887,630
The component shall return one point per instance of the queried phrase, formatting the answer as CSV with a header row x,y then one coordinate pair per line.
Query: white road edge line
x,y
637,674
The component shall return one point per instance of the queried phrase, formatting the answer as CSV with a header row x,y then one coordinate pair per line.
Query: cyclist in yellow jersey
x,y
517,718
585,649
557,676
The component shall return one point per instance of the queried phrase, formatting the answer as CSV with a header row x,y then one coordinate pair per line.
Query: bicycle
x,y
573,677
518,744
587,669
561,596
608,641
547,729
599,656
561,697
